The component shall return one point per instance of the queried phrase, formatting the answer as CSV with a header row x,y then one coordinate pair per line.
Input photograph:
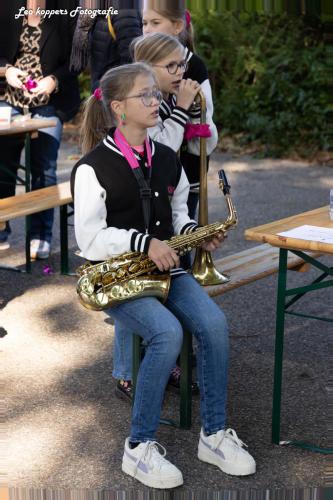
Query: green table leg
x,y
27,243
63,240
279,337
27,163
27,189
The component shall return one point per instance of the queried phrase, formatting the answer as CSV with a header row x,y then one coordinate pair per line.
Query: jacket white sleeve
x,y
181,222
95,240
211,142
170,131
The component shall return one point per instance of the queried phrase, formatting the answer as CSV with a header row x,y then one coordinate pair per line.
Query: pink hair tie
x,y
187,18
193,130
98,94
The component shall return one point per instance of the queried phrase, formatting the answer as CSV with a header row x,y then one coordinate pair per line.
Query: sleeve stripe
x,y
139,244
188,228
178,120
133,240
180,112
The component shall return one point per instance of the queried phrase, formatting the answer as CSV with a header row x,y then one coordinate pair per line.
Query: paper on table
x,y
310,233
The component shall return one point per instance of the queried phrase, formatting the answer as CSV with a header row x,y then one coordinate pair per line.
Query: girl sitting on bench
x,y
109,220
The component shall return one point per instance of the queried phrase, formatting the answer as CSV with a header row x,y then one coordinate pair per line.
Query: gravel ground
x,y
65,426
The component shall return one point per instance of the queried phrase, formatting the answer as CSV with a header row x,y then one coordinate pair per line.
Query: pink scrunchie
x,y
98,94
187,18
196,130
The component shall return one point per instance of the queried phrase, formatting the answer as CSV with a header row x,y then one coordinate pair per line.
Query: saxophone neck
x,y
232,218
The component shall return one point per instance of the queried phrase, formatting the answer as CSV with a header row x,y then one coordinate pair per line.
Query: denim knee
x,y
168,341
215,330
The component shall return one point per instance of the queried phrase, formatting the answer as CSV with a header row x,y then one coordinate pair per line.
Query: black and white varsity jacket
x,y
172,120
108,210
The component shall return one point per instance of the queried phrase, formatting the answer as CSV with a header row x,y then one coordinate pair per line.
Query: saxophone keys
x,y
134,268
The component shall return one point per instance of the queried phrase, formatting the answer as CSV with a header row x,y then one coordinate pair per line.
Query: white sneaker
x,y
4,245
225,450
39,249
146,464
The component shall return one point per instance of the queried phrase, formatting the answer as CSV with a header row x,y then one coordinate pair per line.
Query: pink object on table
x,y
196,130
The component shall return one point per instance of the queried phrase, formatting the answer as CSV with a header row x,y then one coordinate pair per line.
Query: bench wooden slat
x,y
35,201
28,126
251,265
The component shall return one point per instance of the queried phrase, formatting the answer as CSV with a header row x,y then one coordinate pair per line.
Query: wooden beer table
x,y
268,233
29,129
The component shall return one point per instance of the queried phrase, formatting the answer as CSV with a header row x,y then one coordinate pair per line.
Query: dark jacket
x,y
56,40
105,52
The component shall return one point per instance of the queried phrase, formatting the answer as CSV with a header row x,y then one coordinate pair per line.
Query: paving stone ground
x,y
66,428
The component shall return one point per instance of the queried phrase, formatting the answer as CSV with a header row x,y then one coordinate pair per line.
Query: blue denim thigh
x,y
44,155
163,336
199,315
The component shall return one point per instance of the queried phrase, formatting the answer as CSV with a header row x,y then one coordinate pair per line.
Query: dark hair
x,y
116,84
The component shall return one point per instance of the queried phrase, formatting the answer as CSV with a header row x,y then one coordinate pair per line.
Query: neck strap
x,y
127,151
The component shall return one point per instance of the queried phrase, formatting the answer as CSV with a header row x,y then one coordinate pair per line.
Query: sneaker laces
x,y
151,450
232,436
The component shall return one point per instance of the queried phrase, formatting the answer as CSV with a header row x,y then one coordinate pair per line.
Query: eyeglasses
x,y
148,97
173,67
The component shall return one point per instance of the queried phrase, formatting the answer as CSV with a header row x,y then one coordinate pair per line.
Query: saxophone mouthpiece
x,y
224,182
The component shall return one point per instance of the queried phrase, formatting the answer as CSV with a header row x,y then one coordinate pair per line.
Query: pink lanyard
x,y
144,185
127,151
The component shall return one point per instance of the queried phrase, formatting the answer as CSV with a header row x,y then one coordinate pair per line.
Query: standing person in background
x,y
38,81
173,19
104,42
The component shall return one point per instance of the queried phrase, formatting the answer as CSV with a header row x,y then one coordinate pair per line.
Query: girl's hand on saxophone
x,y
215,243
162,255
188,89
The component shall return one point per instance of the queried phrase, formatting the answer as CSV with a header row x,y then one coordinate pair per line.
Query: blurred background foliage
x,y
268,78
267,61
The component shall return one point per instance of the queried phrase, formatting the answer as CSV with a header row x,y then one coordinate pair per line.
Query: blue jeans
x,y
161,327
122,349
44,154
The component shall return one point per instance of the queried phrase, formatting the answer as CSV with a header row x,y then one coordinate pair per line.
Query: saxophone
x,y
131,275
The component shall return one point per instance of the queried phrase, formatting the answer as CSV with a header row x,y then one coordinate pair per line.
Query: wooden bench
x,y
242,268
26,204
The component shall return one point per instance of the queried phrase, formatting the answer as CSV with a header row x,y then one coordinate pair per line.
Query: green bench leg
x,y
63,240
27,243
185,379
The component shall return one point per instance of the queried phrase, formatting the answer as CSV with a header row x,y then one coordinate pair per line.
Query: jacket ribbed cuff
x,y
189,228
140,242
180,115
